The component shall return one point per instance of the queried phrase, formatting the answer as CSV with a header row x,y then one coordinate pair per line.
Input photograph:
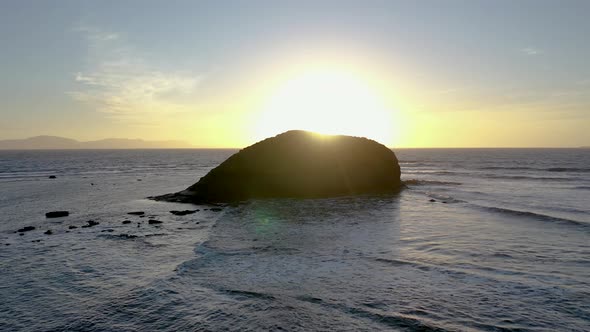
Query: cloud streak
x,y
531,51
121,83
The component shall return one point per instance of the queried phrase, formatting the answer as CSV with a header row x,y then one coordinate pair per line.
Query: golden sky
x,y
474,74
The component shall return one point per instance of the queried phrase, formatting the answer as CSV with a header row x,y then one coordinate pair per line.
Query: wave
x,y
550,169
525,177
508,167
432,172
534,215
245,293
568,169
416,182
390,320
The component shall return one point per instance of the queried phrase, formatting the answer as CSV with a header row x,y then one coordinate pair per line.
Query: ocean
x,y
481,240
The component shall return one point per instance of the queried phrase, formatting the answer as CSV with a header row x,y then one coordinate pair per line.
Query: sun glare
x,y
327,102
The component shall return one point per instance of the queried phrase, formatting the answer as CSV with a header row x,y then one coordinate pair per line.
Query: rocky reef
x,y
298,164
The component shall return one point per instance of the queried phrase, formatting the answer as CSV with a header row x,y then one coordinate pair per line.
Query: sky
x,y
229,73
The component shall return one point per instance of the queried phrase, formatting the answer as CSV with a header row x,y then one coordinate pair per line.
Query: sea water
x,y
481,240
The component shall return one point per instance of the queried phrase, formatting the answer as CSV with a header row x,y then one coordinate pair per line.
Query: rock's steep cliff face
x,y
298,164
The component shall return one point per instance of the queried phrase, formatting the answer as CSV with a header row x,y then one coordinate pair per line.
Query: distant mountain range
x,y
55,142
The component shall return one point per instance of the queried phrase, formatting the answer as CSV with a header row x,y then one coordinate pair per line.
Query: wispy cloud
x,y
122,83
531,51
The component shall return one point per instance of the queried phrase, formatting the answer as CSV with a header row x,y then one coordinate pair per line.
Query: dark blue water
x,y
504,246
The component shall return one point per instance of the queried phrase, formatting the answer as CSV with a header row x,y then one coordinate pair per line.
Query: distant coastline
x,y
62,143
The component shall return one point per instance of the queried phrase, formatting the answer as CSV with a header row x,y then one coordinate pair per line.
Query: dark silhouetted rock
x,y
72,227
136,213
26,229
53,177
90,223
57,214
298,164
48,232
432,200
154,222
124,222
183,213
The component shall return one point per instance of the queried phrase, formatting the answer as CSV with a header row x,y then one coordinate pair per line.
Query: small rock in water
x,y
126,222
136,213
91,223
432,200
72,227
57,214
48,232
138,179
26,229
444,202
127,236
183,213
53,177
92,184
154,221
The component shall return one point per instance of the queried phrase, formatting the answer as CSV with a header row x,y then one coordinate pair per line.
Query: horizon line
x,y
239,148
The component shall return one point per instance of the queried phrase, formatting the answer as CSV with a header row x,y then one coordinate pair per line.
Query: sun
x,y
327,102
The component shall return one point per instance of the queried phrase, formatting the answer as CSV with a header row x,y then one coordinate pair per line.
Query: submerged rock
x,y
48,232
298,164
53,177
136,213
90,223
127,236
26,229
124,222
183,213
57,214
154,221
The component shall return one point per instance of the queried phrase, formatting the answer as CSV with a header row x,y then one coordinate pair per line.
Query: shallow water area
x,y
491,252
